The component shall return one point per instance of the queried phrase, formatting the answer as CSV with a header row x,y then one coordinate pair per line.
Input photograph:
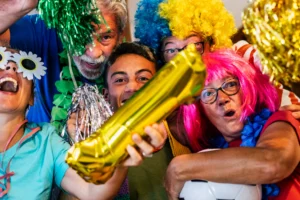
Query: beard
x,y
90,68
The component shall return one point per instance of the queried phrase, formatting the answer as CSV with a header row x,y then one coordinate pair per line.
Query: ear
x,y
105,94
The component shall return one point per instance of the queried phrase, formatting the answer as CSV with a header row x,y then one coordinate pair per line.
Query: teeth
x,y
123,102
2,80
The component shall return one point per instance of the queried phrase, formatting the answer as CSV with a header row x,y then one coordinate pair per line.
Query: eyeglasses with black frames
x,y
171,52
230,87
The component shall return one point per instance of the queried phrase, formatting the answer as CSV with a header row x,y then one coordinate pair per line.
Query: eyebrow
x,y
124,73
119,72
168,43
101,27
184,39
143,70
223,80
105,32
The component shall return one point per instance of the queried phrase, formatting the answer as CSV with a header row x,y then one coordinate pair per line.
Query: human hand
x,y
71,126
157,136
294,108
11,11
17,7
74,123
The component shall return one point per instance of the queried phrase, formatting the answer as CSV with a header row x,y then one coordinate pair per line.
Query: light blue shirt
x,y
38,161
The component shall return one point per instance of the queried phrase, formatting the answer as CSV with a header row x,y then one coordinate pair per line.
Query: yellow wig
x,y
208,18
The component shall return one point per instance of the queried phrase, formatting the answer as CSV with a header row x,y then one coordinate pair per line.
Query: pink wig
x,y
257,93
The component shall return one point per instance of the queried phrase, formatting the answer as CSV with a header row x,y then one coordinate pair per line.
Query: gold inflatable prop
x,y
273,26
178,82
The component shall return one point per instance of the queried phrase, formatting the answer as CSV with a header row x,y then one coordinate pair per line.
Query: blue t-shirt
x,y
31,34
38,161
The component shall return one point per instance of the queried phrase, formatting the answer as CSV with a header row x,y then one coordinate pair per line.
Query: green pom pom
x,y
72,19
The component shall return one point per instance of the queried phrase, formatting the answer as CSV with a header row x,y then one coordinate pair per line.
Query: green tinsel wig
x,y
72,19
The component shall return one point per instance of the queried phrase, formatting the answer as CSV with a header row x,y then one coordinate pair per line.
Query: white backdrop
x,y
234,6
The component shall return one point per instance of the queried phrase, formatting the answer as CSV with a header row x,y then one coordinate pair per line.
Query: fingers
x,y
135,157
291,107
71,126
296,114
294,108
157,134
76,122
145,147
157,137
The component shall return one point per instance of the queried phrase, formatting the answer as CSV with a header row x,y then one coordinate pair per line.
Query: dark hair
x,y
128,48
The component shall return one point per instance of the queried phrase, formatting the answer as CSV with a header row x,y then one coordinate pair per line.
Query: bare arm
x,y
12,10
76,186
275,157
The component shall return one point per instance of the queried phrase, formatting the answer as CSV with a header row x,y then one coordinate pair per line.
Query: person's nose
x,y
94,50
132,86
222,98
11,68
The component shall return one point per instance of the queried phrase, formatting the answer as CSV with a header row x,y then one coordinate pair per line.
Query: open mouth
x,y
123,102
229,113
8,84
93,65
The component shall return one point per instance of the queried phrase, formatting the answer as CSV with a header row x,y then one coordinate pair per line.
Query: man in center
x,y
128,68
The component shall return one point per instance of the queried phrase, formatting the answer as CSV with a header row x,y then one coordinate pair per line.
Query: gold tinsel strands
x,y
273,26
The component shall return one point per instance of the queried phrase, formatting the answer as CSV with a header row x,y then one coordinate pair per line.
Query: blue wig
x,y
150,27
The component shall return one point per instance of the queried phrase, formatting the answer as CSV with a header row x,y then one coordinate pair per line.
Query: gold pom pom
x,y
273,26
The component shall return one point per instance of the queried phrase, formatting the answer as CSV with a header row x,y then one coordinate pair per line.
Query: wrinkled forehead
x,y
109,24
217,75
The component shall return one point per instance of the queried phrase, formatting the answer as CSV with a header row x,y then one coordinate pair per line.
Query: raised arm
x,y
76,186
12,10
275,157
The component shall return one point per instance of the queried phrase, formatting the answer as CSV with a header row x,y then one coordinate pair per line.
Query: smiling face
x,y
15,90
126,76
172,45
105,38
225,112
